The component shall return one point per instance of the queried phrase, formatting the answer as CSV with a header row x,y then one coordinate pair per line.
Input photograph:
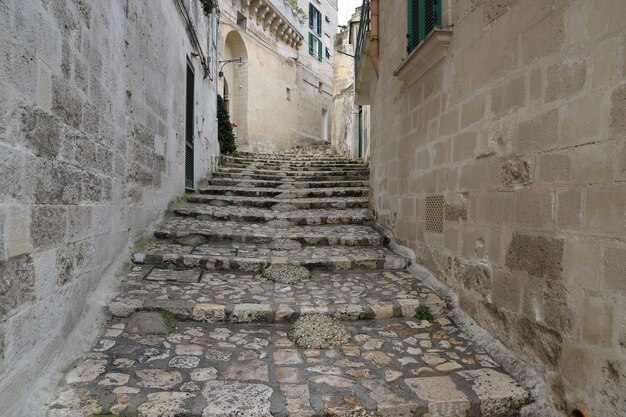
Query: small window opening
x,y
242,21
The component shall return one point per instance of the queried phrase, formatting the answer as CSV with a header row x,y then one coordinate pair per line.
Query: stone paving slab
x,y
198,329
245,190
297,203
182,229
240,297
394,367
256,257
298,217
296,184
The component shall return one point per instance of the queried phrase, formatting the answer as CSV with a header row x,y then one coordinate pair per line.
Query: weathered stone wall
x,y
275,99
522,129
347,119
92,102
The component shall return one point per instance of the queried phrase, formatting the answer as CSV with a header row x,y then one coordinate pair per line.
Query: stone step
x,y
152,365
285,204
283,178
238,182
195,232
298,217
291,156
286,159
272,165
246,297
295,172
296,193
227,255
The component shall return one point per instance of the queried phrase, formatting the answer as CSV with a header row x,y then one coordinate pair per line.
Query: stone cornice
x,y
270,18
427,54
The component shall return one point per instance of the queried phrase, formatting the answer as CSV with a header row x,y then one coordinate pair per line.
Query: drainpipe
x,y
375,39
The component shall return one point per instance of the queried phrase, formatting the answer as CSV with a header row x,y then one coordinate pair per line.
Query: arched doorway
x,y
234,85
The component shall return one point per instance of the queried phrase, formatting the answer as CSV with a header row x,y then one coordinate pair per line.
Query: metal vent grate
x,y
434,213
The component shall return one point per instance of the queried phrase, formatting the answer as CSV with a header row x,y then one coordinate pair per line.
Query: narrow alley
x,y
270,294
313,208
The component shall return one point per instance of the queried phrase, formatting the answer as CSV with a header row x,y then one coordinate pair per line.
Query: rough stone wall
x,y
343,93
268,117
522,129
345,122
313,71
92,101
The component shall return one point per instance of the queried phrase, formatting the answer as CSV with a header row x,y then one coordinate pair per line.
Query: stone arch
x,y
235,82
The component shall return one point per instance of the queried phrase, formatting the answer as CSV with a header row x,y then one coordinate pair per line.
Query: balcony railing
x,y
364,28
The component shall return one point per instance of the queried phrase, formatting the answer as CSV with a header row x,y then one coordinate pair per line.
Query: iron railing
x,y
364,28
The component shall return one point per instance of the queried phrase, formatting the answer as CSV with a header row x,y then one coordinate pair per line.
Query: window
x,y
328,55
315,19
242,21
315,46
423,17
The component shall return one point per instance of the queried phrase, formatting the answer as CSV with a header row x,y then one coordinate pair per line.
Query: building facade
x,y
107,113
350,127
498,155
280,95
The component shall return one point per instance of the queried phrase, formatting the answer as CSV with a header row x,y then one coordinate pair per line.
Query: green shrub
x,y
423,313
225,134
207,6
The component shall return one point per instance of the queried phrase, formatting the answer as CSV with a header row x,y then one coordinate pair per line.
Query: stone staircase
x,y
203,324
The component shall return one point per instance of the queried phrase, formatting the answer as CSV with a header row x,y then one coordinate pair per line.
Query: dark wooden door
x,y
189,128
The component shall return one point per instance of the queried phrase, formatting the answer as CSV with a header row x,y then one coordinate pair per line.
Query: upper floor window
x,y
315,46
424,16
242,21
315,19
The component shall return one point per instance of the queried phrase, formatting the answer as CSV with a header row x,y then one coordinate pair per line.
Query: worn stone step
x,y
228,255
291,161
238,182
283,178
245,297
154,366
292,156
294,172
285,203
276,166
297,193
298,217
270,177
195,232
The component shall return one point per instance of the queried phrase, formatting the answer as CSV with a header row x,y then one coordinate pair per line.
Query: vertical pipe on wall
x,y
374,34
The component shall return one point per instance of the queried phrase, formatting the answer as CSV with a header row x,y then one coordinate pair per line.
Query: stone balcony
x,y
276,17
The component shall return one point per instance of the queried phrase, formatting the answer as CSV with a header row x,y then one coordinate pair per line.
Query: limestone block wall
x,y
350,122
316,76
522,130
275,97
92,128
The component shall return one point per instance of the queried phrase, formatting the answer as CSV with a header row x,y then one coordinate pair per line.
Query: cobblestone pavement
x,y
198,329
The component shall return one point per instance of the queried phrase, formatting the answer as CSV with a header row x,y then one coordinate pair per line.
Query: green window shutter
x,y
422,17
310,43
412,24
311,14
319,50
319,22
